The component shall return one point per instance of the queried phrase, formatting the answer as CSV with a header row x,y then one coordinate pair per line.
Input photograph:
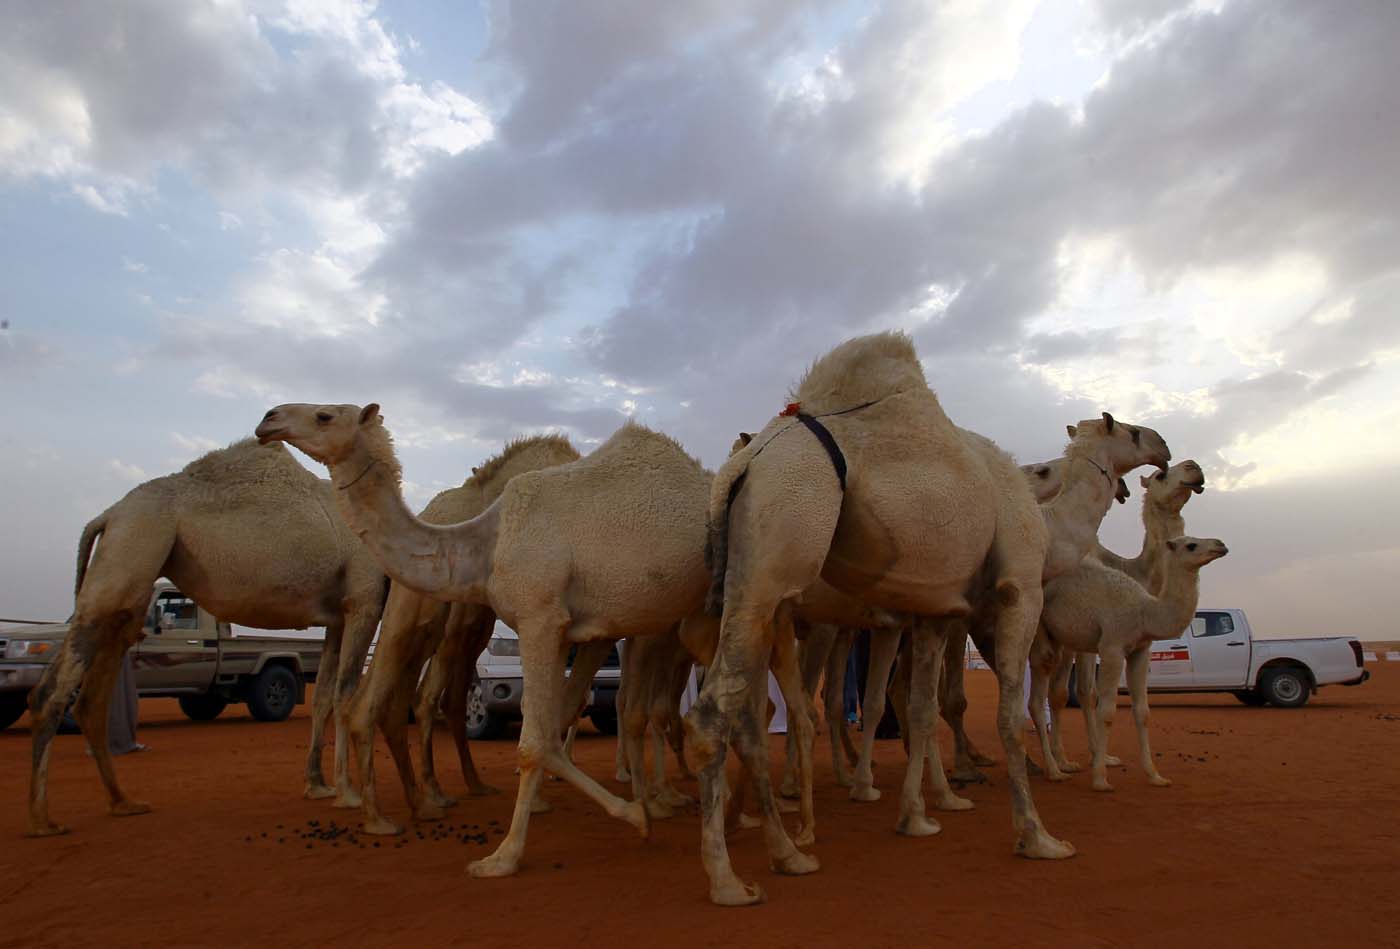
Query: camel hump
x,y
860,370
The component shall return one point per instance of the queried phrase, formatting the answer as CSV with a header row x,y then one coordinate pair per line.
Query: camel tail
x,y
722,493
93,530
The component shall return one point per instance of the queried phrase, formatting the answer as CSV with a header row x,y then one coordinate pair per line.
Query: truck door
x,y
180,653
1170,667
1219,650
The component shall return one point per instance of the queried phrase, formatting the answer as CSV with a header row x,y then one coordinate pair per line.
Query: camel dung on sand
x,y
250,535
416,627
902,515
608,546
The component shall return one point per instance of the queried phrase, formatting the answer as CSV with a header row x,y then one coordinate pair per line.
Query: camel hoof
x,y
865,792
917,825
981,760
845,781
797,864
1157,781
788,788
1071,767
806,837
623,776
129,808
658,809
744,822
1057,775
435,797
967,775
1045,847
347,800
481,790
492,867
673,798
1113,761
317,792
1102,785
49,829
788,807
382,827
540,806
952,802
738,894
1033,770
428,811
639,817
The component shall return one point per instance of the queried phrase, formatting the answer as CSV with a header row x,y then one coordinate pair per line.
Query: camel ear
x,y
1171,545
1123,494
1108,422
745,437
1071,429
1146,480
369,413
474,471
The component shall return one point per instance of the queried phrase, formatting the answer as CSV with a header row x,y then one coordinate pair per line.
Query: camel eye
x,y
324,417
1190,546
1043,472
1162,476
1137,435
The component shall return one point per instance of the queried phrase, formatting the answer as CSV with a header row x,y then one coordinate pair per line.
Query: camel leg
x,y
621,772
460,682
1110,668
91,712
663,714
795,693
952,701
884,644
943,797
1138,664
834,698
633,724
47,702
917,659
812,657
1059,698
362,618
1045,658
1017,618
675,729
433,801
322,702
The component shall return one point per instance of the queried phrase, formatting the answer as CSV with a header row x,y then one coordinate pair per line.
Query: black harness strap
x,y
833,451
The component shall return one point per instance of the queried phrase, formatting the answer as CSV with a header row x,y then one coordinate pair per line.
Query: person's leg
x,y
122,714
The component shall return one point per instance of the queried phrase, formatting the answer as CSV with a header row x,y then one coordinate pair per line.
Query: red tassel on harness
x,y
792,409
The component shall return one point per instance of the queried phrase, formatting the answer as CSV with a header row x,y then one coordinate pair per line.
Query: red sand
x,y
1281,829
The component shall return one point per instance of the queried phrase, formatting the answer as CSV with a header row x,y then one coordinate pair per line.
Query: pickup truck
x,y
1218,653
186,654
494,700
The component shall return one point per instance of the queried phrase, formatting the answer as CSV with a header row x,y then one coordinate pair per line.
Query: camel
x,y
1047,477
1088,480
1097,609
864,482
416,627
1165,494
605,547
249,534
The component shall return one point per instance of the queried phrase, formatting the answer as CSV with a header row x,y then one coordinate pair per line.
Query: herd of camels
x,y
859,506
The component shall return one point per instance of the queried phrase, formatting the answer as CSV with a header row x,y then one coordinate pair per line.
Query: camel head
x,y
1173,488
741,442
327,433
1045,478
1193,553
1129,446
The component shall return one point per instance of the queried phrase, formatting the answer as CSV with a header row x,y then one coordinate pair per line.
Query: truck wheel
x,y
273,694
604,719
12,706
1285,686
482,723
203,708
1250,697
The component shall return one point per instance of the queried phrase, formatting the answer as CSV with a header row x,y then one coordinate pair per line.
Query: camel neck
x,y
1074,516
1160,523
448,563
1173,609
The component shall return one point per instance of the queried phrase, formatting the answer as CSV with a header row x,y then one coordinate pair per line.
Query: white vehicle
x,y
1218,653
494,700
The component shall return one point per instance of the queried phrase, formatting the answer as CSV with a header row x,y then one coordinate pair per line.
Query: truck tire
x,y
203,708
273,694
482,723
604,719
12,706
1251,697
1285,686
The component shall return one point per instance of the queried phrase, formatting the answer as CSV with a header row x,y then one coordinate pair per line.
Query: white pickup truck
x,y
1218,653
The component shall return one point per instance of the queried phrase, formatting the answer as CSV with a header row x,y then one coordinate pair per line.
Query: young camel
x,y
1097,609
1164,496
417,627
592,551
246,532
1089,474
899,512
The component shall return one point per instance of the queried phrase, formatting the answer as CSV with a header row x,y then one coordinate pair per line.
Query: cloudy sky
x,y
500,218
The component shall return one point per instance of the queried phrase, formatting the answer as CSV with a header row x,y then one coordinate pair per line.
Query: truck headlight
x,y
21,648
502,646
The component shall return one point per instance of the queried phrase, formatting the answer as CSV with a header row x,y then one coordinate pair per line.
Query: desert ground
x,y
1282,828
